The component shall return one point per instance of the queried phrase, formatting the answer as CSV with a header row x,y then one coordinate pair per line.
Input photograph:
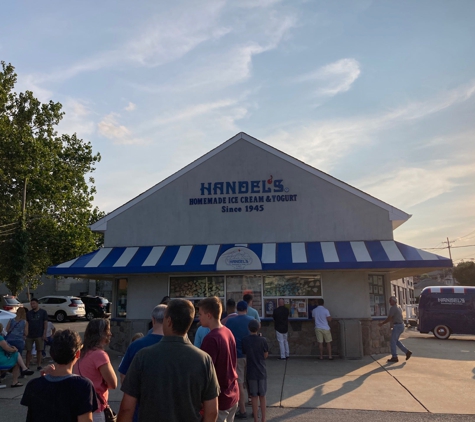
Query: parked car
x,y
9,303
447,310
96,307
6,316
61,307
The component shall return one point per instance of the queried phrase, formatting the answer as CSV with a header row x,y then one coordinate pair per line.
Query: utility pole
x,y
448,246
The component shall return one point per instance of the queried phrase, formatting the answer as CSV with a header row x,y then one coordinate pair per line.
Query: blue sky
x,y
380,94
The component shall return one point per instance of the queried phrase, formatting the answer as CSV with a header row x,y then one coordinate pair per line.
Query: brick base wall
x,y
301,336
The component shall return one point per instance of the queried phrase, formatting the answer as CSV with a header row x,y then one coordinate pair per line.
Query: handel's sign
x,y
243,195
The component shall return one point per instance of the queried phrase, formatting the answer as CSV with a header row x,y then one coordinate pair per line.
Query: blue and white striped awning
x,y
254,256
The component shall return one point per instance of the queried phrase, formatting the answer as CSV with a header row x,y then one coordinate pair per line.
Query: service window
x,y
239,285
377,295
195,288
300,294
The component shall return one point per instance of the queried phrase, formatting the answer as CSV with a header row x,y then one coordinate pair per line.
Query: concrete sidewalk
x,y
439,378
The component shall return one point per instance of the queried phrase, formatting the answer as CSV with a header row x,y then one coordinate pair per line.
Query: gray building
x,y
247,217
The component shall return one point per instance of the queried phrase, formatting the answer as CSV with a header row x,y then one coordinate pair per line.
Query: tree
x,y
464,273
45,198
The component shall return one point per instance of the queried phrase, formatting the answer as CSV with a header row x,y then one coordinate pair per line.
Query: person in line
x,y
61,396
95,365
200,334
322,329
150,339
397,322
172,380
137,336
221,346
230,311
158,313
239,327
50,330
281,324
256,350
10,358
17,329
36,332
250,310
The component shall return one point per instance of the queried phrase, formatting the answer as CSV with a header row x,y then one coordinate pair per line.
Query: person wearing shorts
x,y
37,326
322,329
256,350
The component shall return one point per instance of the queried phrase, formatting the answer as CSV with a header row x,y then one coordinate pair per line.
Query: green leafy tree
x,y
45,195
464,273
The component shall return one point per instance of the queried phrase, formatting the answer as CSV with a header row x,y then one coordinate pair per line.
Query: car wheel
x,y
90,315
60,316
442,332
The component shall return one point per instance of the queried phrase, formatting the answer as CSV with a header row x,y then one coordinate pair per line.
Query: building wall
x,y
321,211
345,293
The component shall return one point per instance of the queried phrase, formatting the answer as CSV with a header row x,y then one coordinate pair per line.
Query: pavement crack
x,y
283,382
402,385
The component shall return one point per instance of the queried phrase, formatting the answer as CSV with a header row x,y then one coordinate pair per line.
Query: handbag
x,y
109,414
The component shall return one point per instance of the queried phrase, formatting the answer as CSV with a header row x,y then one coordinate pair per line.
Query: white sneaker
x,y
2,386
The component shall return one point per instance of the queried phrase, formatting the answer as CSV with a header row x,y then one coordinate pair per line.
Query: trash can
x,y
351,339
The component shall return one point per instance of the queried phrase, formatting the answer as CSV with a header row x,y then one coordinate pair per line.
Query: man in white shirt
x,y
322,329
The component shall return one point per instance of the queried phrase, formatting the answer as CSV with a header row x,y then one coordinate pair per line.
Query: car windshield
x,y
11,301
77,301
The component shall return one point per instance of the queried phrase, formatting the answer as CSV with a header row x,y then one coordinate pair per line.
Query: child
x,y
136,337
256,350
61,396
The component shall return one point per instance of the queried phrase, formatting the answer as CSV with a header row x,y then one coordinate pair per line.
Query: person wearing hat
x,y
256,350
239,326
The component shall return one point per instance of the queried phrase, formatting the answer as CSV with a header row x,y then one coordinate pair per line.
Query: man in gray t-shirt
x,y
172,380
397,323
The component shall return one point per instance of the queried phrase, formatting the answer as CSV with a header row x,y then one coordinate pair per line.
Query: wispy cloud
x,y
333,78
193,111
78,118
410,186
119,134
163,39
130,107
233,66
324,143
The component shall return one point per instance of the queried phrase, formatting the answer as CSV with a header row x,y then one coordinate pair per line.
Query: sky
x,y
379,94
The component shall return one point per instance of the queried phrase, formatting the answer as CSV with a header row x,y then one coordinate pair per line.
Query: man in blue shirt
x,y
150,339
239,326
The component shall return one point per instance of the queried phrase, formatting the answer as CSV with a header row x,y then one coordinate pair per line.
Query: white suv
x,y
62,307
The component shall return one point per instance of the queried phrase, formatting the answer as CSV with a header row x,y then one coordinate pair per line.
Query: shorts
x,y
257,388
241,370
37,340
323,335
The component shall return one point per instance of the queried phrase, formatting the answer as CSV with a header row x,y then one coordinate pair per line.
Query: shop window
x,y
196,288
298,307
121,302
239,285
292,286
377,295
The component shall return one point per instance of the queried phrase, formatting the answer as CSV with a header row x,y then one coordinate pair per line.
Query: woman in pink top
x,y
95,364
